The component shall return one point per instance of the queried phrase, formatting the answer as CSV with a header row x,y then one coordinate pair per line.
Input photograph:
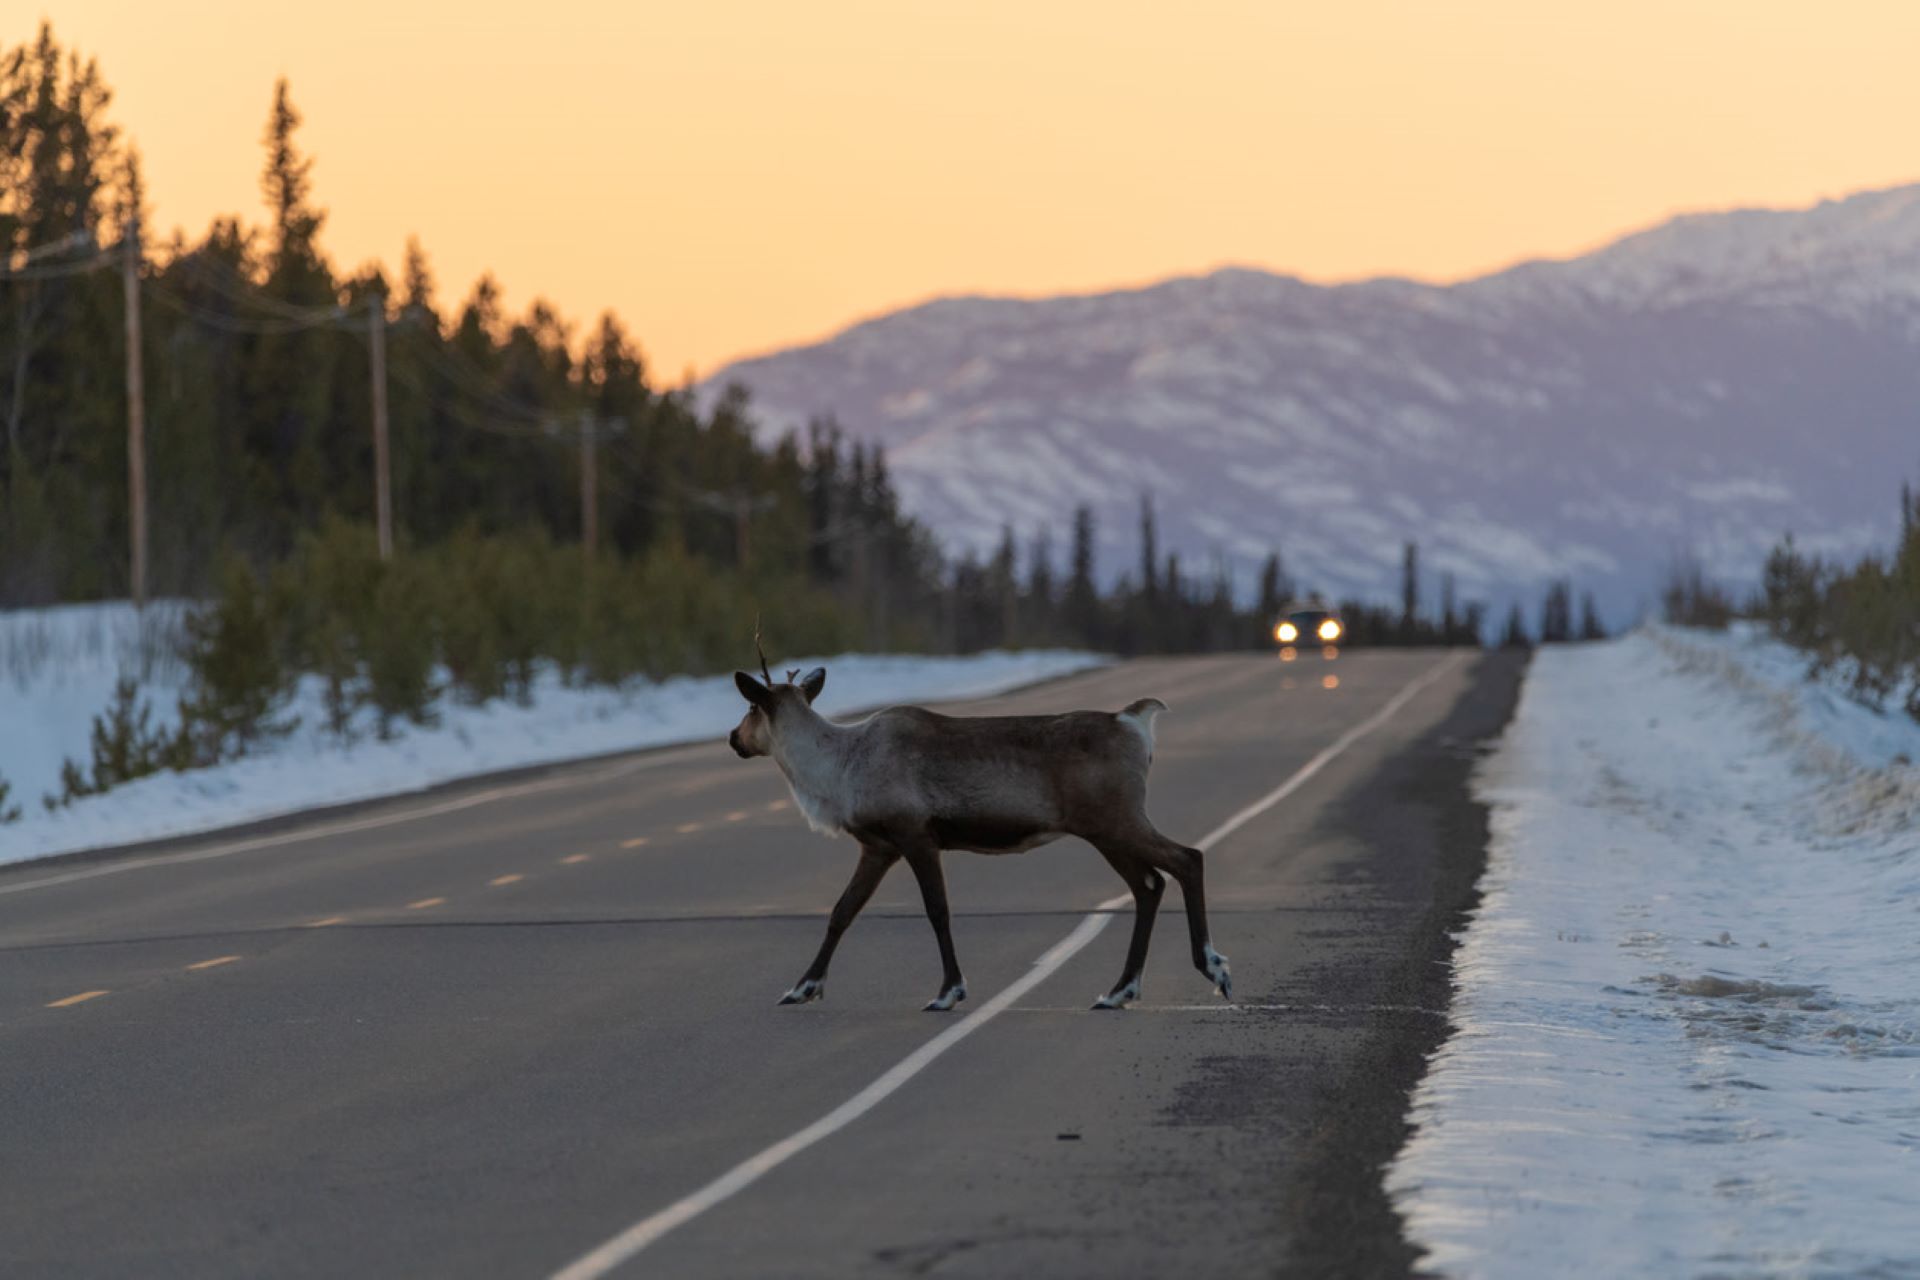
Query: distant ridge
x,y
1699,387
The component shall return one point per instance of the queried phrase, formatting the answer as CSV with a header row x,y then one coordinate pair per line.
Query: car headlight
x,y
1286,633
1329,631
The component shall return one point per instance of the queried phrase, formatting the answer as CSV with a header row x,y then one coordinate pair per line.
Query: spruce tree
x,y
1040,605
1514,634
1083,598
1409,589
1556,613
1591,628
1149,552
1276,589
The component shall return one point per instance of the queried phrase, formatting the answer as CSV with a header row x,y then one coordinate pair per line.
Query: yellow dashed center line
x,y
687,828
70,1000
321,924
497,881
213,963
738,815
776,806
634,843
573,858
424,903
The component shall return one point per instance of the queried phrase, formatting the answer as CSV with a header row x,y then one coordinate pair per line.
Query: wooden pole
x,y
136,416
382,481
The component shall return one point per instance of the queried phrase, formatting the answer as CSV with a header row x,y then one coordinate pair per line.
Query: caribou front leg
x,y
866,878
925,862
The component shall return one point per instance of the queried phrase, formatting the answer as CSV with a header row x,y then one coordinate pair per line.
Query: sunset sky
x,y
736,175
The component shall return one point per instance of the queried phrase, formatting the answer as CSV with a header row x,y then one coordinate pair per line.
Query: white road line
x,y
623,1247
1320,761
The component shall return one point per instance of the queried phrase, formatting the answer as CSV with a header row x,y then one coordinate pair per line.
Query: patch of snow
x,y
47,715
1687,1021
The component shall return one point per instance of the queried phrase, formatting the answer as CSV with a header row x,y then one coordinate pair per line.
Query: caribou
x,y
908,784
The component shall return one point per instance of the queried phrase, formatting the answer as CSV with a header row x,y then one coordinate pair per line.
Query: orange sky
x,y
736,175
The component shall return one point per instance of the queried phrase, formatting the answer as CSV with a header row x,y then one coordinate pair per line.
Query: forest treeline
x,y
1858,623
259,433
259,412
259,359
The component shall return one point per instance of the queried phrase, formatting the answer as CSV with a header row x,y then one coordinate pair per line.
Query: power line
x,y
461,372
237,324
221,276
54,270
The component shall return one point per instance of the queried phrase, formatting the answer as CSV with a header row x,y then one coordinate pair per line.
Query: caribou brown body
x,y
907,784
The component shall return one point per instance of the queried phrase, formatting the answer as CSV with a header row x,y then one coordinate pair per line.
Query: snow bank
x,y
58,668
1688,1010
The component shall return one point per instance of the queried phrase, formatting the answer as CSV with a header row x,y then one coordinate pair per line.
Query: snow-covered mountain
x,y
1697,388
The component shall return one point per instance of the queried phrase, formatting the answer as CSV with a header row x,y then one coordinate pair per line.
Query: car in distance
x,y
1309,624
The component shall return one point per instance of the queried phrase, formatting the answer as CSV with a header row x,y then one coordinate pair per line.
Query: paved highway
x,y
529,1024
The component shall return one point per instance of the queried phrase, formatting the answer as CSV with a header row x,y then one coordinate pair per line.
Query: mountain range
x,y
1690,391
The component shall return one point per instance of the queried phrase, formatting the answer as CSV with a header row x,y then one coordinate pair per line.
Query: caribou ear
x,y
752,690
813,682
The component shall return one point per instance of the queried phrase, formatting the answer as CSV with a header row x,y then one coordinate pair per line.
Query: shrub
x,y
1860,624
1791,591
494,602
125,746
398,641
8,812
330,584
1691,599
239,679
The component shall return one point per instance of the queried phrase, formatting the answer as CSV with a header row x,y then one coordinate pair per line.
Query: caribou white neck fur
x,y
811,754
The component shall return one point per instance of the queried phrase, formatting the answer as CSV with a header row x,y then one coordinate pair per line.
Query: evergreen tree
x,y
1276,589
291,367
1040,604
1149,552
1003,586
1083,598
1591,628
1473,624
1409,589
1556,613
1514,634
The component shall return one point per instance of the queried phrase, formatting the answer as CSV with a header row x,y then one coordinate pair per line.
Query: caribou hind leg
x,y
1188,866
866,878
1147,885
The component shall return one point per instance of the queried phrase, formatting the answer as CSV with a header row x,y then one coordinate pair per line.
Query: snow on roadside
x,y
58,668
1687,1010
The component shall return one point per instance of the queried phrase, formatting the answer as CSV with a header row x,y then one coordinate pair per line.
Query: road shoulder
x,y
1419,878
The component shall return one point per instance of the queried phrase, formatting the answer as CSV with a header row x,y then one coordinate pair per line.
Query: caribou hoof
x,y
1221,975
805,993
952,996
1119,997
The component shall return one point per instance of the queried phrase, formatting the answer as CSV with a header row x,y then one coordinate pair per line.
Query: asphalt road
x,y
484,1031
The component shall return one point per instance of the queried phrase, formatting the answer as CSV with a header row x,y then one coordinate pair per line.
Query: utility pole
x,y
382,481
589,486
136,412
